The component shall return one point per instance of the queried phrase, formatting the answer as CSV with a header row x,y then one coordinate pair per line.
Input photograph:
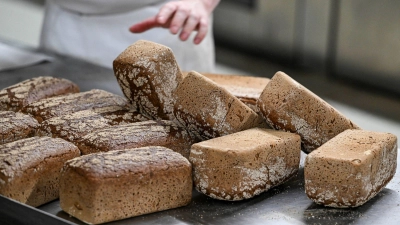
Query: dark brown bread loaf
x,y
287,105
351,168
108,186
244,164
117,115
161,133
208,110
62,105
26,92
148,75
30,168
15,126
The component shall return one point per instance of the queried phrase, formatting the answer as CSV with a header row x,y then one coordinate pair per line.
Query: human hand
x,y
183,16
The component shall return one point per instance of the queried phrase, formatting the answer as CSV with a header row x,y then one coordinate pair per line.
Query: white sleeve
x,y
103,6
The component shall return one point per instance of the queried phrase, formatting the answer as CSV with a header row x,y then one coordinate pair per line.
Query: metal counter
x,y
285,204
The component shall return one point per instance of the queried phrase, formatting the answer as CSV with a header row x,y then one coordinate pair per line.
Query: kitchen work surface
x,y
284,204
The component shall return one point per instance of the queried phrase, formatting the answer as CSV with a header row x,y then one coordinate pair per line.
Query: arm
x,y
185,16
103,6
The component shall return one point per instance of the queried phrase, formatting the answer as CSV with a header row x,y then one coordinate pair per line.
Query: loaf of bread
x,y
30,168
246,88
108,186
15,126
244,164
208,110
63,105
351,168
287,105
26,92
73,126
161,133
117,115
148,75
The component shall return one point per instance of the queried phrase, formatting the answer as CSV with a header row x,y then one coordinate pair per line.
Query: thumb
x,y
144,25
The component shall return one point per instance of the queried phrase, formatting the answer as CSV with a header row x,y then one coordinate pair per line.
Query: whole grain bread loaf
x,y
17,96
109,186
287,105
208,110
159,133
62,105
244,164
117,115
351,168
15,126
30,168
148,75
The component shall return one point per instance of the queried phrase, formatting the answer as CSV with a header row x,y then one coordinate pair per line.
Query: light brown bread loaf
x,y
161,133
287,105
15,126
246,88
208,110
26,92
244,164
351,168
148,75
30,168
103,187
62,105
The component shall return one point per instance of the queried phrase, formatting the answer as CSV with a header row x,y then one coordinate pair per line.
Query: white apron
x,y
98,31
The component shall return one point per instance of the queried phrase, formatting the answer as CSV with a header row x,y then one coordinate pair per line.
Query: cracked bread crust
x,y
29,168
244,164
287,105
62,105
208,110
15,126
148,75
351,168
26,92
161,133
114,185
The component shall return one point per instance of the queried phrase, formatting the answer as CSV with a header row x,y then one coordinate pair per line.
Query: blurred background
x,y
347,52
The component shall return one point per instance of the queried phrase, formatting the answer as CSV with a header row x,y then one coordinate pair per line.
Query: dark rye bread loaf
x,y
208,110
244,164
148,75
75,125
351,168
62,105
287,105
161,133
26,92
30,168
15,126
109,186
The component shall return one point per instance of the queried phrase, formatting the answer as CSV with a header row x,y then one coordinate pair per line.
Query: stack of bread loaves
x,y
121,157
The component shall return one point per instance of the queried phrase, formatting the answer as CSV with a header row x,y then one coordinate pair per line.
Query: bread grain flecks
x,y
17,96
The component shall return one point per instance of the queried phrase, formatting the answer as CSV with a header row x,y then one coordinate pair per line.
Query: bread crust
x,y
15,126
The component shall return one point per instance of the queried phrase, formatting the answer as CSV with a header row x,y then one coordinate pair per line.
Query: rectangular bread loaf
x,y
351,168
26,92
120,115
30,168
161,133
62,105
108,186
15,126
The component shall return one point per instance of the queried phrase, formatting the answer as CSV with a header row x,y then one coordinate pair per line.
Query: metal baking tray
x,y
284,204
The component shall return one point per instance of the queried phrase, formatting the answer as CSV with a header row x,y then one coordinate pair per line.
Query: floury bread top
x,y
148,75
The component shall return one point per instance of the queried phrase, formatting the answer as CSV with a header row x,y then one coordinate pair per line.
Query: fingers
x,y
144,25
202,31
